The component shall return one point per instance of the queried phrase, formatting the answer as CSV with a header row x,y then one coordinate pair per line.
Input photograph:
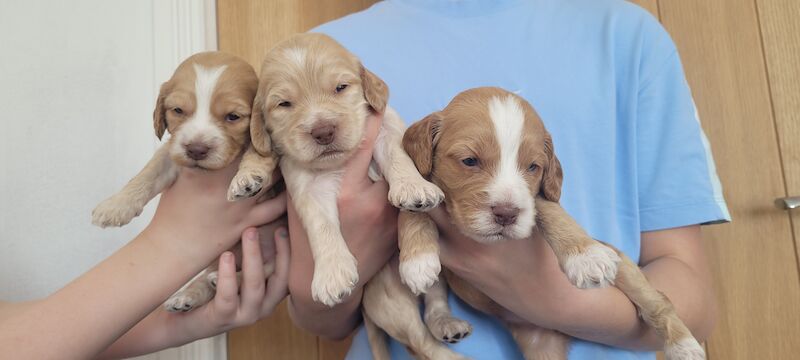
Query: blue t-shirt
x,y
607,81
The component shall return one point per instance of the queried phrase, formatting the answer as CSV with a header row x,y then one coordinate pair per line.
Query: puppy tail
x,y
377,340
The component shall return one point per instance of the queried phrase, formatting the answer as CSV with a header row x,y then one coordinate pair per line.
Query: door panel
x,y
755,269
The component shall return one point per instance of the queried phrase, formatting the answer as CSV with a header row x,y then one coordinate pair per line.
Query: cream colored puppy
x,y
206,107
310,111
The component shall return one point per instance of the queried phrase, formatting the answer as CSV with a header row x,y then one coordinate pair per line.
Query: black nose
x,y
505,214
197,151
323,134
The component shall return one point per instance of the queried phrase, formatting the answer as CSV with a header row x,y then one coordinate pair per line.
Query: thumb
x,y
358,166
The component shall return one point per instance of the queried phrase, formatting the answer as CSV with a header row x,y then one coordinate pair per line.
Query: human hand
x,y
369,226
195,219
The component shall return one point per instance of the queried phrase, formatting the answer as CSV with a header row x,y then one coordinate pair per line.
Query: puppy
x,y
489,152
310,111
206,107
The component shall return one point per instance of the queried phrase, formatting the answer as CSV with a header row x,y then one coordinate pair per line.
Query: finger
x,y
227,298
252,274
277,285
358,165
268,211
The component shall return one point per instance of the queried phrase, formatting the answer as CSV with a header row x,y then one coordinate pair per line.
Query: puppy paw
x,y
685,349
448,329
595,267
115,211
415,195
184,301
245,185
420,272
334,279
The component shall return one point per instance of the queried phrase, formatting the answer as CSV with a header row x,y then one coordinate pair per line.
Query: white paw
x,y
245,185
415,195
685,349
115,211
448,329
420,272
212,278
183,301
334,278
595,267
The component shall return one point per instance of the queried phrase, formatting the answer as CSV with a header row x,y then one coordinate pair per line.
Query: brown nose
x,y
197,151
323,134
505,214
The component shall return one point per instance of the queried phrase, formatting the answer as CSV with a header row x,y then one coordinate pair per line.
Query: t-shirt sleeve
x,y
677,179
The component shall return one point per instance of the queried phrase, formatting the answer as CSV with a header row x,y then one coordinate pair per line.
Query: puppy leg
x,y
658,312
438,317
586,262
407,189
537,343
255,172
194,294
419,251
123,206
392,307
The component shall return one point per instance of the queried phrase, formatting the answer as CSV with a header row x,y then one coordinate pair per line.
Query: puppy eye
x,y
284,104
533,167
231,117
340,88
178,110
470,162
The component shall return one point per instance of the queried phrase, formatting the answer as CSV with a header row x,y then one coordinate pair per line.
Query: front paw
x,y
595,267
420,272
245,185
415,195
334,279
685,349
115,211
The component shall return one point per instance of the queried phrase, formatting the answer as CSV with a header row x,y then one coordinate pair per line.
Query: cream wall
x,y
78,80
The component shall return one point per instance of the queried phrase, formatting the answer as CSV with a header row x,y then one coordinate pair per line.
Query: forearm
x,y
92,311
151,334
334,323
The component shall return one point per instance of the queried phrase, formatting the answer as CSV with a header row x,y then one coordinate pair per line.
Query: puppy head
x,y
205,105
489,152
313,98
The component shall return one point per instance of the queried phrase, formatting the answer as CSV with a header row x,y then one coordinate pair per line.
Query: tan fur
x,y
463,129
233,93
310,81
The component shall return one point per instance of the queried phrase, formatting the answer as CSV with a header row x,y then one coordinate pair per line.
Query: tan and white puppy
x,y
313,100
490,153
205,106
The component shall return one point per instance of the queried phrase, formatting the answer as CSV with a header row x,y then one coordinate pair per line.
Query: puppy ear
x,y
159,114
420,140
552,175
375,90
259,136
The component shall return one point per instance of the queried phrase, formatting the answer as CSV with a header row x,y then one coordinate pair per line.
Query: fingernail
x,y
251,235
227,257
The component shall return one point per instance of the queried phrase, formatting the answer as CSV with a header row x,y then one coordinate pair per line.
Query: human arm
x,y
369,226
193,224
531,285
227,310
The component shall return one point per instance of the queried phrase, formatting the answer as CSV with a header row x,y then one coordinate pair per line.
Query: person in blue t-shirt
x,y
607,80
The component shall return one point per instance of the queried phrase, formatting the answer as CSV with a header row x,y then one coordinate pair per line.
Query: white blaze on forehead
x,y
508,183
201,126
296,55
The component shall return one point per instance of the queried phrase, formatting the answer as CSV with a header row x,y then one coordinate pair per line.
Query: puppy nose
x,y
323,134
505,214
197,151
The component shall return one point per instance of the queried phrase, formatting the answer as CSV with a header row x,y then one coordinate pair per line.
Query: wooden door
x,y
742,60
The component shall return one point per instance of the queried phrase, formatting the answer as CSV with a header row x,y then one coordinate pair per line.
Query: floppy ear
x,y
375,90
259,136
420,140
159,114
552,175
